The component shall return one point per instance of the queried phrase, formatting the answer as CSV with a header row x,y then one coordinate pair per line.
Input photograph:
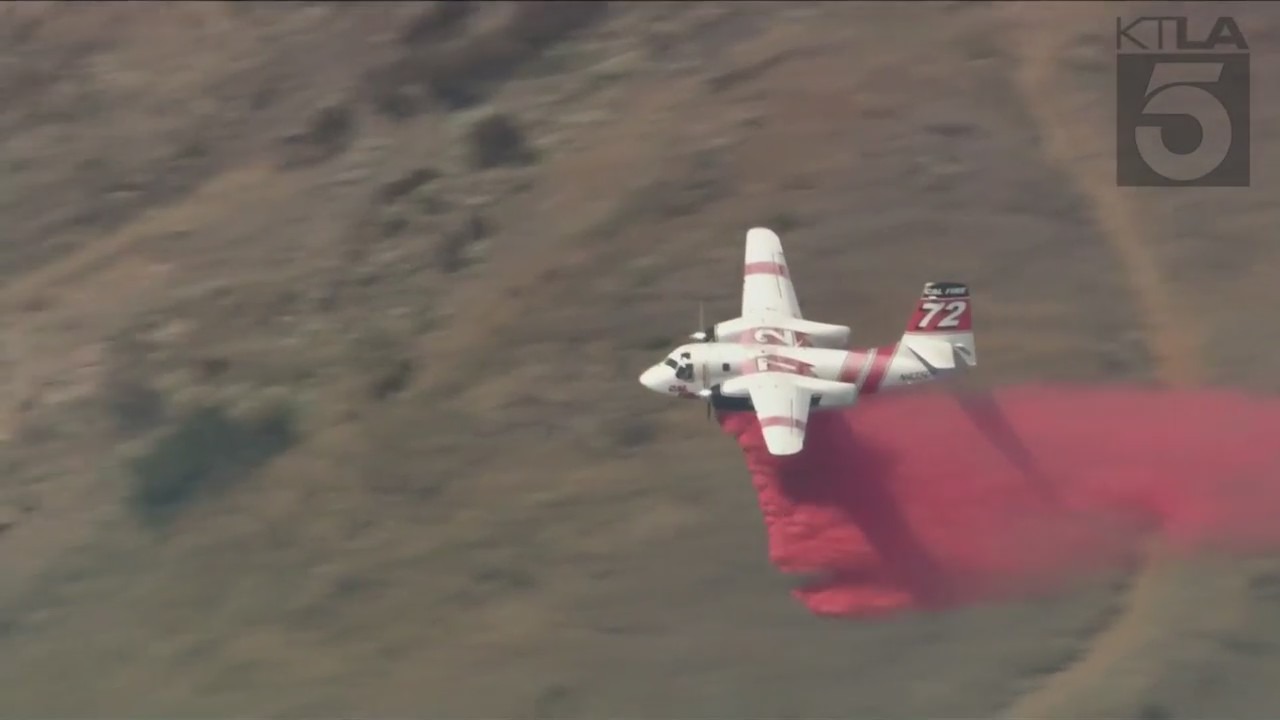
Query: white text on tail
x,y
941,328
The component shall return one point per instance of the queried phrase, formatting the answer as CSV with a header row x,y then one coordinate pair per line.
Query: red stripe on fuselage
x,y
855,363
879,368
852,367
765,268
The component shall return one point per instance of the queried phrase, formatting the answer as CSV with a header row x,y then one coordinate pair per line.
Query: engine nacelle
x,y
730,403
793,332
707,334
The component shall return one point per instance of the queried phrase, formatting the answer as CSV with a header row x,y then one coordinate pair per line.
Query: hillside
x,y
409,259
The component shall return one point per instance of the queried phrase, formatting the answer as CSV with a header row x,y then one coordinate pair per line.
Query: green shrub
x,y
206,452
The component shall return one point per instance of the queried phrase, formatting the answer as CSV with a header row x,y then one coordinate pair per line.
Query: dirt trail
x,y
1122,661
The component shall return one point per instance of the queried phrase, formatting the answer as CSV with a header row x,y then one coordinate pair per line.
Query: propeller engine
x,y
708,396
708,332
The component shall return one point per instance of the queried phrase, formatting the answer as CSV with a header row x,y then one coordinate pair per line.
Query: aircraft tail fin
x,y
941,328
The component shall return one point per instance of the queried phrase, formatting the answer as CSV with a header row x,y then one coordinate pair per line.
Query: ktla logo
x,y
1182,104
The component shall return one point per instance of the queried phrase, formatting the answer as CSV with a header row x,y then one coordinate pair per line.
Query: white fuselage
x,y
698,369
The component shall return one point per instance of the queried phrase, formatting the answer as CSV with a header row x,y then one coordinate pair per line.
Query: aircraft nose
x,y
654,378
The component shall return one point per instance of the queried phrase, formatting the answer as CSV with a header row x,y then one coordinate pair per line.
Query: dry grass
x,y
482,513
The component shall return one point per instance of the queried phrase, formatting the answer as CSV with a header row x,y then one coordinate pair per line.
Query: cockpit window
x,y
671,363
685,369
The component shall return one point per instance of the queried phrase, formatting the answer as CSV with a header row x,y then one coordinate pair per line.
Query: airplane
x,y
772,361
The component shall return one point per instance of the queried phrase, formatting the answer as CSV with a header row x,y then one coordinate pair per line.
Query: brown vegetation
x,y
446,237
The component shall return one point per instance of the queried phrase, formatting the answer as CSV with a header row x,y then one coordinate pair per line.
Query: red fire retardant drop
x,y
930,500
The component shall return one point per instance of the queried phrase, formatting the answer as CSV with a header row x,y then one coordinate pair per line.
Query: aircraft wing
x,y
782,401
782,406
767,289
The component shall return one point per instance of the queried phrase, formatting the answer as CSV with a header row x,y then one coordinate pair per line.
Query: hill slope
x,y
447,237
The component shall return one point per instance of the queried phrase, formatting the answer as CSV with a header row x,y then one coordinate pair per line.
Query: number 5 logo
x,y
1174,89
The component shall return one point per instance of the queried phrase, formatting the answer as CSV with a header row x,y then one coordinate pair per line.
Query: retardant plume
x,y
931,500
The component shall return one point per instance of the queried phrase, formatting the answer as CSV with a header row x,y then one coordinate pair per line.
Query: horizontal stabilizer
x,y
940,354
934,354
